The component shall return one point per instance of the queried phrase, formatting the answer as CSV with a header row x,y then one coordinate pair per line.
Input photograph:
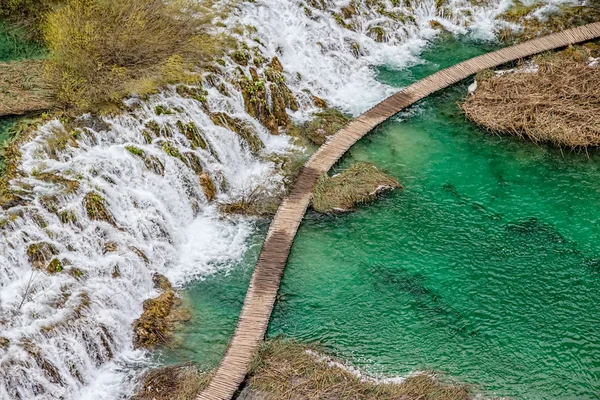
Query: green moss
x,y
244,130
54,266
192,92
153,127
162,110
67,217
358,184
241,57
95,206
191,132
170,149
136,151
70,186
156,324
41,253
154,165
76,273
377,33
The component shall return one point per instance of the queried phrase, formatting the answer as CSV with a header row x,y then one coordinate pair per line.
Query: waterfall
x,y
65,329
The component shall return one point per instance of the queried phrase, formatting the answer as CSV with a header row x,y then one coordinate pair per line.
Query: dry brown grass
x,y
559,104
284,370
174,382
358,184
23,88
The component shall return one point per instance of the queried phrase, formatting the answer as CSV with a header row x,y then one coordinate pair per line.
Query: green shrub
x,y
103,50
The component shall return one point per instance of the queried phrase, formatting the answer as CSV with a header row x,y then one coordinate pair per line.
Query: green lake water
x,y
13,46
484,267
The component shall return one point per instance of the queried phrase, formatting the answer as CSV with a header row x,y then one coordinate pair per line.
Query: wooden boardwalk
x,y
260,298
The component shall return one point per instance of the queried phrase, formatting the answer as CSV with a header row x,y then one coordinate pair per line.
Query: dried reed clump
x,y
559,104
285,370
360,183
23,88
174,382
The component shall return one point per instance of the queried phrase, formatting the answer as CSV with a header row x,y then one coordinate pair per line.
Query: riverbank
x,y
552,98
287,370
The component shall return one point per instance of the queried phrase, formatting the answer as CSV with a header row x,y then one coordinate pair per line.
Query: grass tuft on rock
x,y
360,183
285,370
324,124
559,104
173,382
95,206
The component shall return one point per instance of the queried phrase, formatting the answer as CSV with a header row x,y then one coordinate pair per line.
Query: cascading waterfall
x,y
66,334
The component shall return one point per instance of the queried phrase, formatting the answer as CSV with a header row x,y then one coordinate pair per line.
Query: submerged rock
x,y
360,183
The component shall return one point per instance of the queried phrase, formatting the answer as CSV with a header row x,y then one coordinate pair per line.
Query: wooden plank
x,y
262,292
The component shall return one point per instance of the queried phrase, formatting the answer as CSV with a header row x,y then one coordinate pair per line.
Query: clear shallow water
x,y
484,267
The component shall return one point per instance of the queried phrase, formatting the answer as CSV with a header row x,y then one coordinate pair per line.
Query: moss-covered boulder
x,y
54,266
160,316
323,125
271,114
95,205
40,254
243,129
360,183
191,132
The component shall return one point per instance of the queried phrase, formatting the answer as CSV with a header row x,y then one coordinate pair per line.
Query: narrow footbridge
x,y
260,298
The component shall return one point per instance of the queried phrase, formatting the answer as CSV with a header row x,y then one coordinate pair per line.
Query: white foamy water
x,y
70,332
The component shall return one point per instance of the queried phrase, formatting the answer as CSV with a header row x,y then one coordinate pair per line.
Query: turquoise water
x,y
484,267
13,46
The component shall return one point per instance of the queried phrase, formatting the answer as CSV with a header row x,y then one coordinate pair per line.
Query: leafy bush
x,y
102,50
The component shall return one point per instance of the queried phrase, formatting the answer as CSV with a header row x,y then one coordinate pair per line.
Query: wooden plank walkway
x,y
260,298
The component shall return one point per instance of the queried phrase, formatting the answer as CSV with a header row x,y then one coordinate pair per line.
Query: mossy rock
x,y
170,149
70,186
360,183
140,254
67,217
160,316
41,253
191,132
4,342
192,92
54,266
75,273
241,57
161,282
323,125
154,165
162,110
136,151
95,206
243,129
208,187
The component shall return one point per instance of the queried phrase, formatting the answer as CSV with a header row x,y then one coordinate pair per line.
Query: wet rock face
x,y
267,97
160,316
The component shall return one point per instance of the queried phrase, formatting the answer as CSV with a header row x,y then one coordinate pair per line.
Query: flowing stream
x,y
461,272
